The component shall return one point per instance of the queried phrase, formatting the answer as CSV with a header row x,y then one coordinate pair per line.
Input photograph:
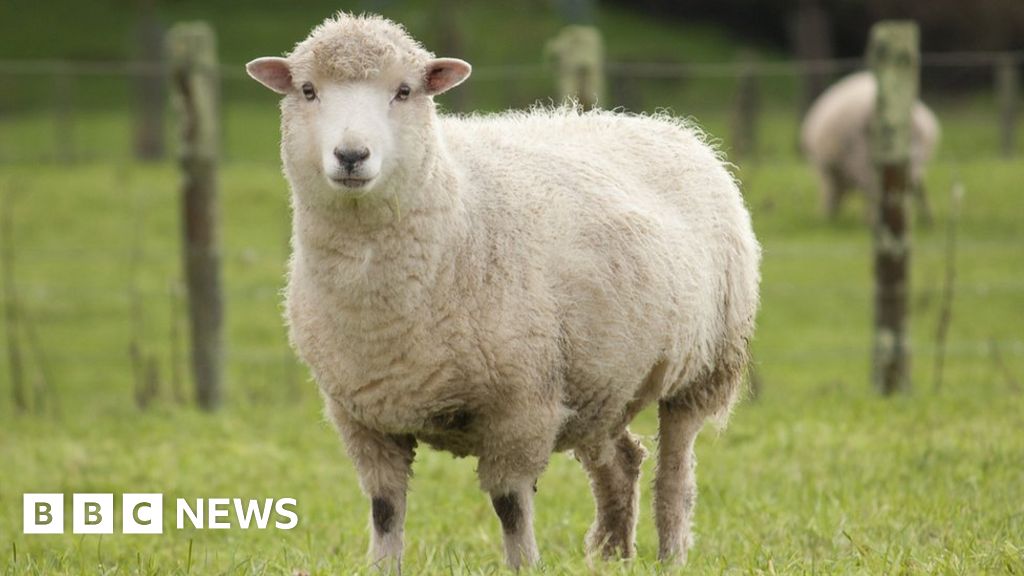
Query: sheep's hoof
x,y
673,556
387,564
608,544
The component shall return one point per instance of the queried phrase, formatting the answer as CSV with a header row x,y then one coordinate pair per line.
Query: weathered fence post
x,y
746,107
576,11
1008,96
150,89
895,61
14,357
948,284
811,37
578,57
64,120
194,75
174,336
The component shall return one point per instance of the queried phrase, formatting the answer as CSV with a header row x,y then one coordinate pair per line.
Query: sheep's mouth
x,y
349,182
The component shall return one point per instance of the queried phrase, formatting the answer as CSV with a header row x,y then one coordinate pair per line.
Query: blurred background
x,y
92,75
98,391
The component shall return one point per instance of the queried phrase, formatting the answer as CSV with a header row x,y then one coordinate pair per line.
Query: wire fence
x,y
91,111
731,69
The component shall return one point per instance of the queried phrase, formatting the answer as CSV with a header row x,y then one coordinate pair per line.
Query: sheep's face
x,y
349,137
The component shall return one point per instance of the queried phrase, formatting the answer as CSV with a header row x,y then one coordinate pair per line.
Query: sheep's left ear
x,y
443,74
272,72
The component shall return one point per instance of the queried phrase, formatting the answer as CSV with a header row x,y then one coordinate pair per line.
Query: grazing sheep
x,y
506,286
836,140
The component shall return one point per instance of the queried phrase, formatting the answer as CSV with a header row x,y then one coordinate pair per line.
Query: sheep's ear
x,y
444,74
272,72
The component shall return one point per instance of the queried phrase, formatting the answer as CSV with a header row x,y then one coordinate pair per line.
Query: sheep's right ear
x,y
443,74
272,72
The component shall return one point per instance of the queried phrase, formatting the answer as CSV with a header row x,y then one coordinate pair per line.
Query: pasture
x,y
816,472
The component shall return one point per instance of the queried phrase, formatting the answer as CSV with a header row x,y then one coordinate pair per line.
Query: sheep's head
x,y
358,108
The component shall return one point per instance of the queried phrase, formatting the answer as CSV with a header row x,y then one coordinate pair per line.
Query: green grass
x,y
817,475
825,480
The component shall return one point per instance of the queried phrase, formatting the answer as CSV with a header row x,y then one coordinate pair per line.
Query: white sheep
x,y
506,286
835,137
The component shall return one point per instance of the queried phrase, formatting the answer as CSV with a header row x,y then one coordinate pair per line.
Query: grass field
x,y
817,475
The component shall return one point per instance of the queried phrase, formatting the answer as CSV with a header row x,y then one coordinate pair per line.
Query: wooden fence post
x,y
11,311
174,338
811,37
1008,96
746,108
64,115
150,89
578,56
577,11
194,75
895,61
948,284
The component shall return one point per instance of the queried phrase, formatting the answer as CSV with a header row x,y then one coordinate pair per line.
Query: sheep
x,y
835,138
506,286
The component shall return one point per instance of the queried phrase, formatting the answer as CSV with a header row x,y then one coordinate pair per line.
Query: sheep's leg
x,y
514,507
516,454
384,464
832,191
675,485
614,472
511,481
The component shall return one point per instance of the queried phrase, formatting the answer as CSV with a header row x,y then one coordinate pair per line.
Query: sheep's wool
x,y
835,136
355,48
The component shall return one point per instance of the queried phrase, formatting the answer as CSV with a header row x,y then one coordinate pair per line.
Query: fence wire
x,y
663,80
734,68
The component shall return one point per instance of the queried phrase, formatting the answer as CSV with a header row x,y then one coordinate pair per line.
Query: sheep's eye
x,y
308,91
403,92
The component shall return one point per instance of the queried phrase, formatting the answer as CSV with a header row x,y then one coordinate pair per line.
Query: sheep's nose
x,y
351,157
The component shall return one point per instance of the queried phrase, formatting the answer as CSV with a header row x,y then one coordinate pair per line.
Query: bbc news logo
x,y
143,513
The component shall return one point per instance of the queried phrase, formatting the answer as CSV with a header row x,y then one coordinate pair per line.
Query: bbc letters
x,y
143,513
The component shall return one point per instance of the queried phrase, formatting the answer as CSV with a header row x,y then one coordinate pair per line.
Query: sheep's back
x,y
635,221
835,129
840,114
